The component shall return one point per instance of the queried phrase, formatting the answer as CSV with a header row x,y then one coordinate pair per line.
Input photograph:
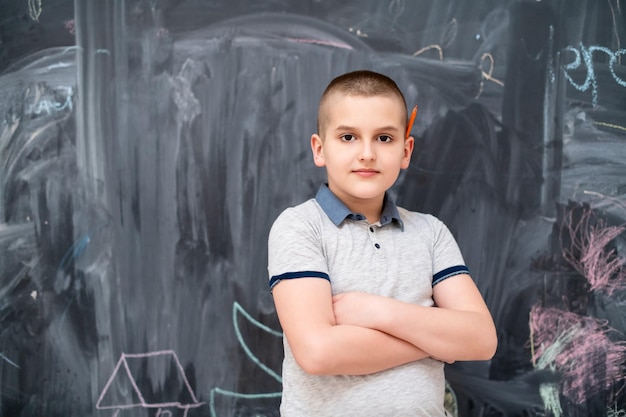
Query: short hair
x,y
358,83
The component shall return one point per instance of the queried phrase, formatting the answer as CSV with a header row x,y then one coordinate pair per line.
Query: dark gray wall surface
x,y
147,146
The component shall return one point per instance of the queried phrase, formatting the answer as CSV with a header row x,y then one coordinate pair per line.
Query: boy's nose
x,y
367,151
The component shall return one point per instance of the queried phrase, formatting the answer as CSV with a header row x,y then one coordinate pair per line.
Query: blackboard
x,y
147,146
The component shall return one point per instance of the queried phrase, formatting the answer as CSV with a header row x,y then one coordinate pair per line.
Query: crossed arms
x,y
358,333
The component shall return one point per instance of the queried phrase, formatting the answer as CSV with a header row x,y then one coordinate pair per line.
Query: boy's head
x,y
362,141
358,83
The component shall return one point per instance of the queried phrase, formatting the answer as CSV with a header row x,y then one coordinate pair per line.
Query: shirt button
x,y
372,229
377,245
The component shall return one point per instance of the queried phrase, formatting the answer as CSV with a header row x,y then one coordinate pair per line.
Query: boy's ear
x,y
317,146
409,143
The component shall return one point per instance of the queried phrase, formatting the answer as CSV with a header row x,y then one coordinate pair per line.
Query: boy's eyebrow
x,y
344,127
380,129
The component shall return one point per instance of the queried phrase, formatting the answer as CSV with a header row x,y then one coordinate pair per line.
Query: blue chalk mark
x,y
238,310
587,58
10,361
238,395
615,61
75,251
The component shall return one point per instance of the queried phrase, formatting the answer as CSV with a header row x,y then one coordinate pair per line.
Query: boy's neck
x,y
372,210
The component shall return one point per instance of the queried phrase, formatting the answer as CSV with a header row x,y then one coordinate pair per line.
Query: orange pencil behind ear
x,y
409,126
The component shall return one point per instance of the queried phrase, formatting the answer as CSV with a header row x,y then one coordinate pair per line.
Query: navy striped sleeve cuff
x,y
449,272
300,274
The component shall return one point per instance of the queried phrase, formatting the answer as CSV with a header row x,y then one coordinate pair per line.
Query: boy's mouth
x,y
365,172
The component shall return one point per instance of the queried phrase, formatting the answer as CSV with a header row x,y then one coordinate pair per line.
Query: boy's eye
x,y
348,137
384,138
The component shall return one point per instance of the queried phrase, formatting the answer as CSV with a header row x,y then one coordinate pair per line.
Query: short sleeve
x,y
295,248
447,258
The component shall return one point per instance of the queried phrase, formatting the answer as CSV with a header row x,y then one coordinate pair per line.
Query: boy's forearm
x,y
354,350
447,334
444,333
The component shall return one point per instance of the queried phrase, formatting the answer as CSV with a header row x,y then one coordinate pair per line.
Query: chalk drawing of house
x,y
154,380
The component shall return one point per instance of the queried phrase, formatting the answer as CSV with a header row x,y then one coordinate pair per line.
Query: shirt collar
x,y
337,211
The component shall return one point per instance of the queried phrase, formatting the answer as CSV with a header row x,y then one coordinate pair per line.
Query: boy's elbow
x,y
493,347
481,348
312,366
489,347
313,359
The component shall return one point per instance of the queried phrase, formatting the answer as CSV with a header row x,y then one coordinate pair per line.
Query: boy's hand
x,y
358,309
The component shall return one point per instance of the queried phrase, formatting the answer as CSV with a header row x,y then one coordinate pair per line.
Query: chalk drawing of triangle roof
x,y
130,384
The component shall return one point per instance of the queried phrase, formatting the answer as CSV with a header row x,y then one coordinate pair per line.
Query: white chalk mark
x,y
34,9
606,197
396,8
322,42
615,32
615,412
182,93
358,32
53,104
550,396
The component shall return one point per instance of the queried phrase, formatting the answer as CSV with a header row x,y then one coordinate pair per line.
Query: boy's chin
x,y
367,193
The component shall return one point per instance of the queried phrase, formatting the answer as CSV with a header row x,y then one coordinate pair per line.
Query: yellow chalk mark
x,y
487,75
532,346
611,125
428,48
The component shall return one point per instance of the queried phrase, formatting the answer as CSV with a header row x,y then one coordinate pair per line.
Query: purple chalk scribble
x,y
579,348
588,251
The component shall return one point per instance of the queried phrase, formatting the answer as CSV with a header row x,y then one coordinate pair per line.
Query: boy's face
x,y
362,146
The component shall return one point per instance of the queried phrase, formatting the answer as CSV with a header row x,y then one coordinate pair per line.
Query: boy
x,y
372,298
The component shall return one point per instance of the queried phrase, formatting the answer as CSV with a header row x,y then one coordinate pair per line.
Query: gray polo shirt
x,y
402,256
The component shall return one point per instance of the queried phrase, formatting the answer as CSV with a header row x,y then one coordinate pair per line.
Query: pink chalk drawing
x,y
588,251
70,26
579,348
122,390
